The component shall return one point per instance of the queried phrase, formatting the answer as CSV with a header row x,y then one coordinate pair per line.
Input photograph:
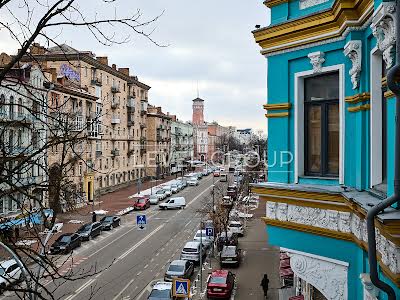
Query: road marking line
x,y
124,289
141,242
139,273
145,267
84,286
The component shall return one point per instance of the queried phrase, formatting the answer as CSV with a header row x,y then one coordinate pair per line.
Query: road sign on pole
x,y
181,288
209,231
141,222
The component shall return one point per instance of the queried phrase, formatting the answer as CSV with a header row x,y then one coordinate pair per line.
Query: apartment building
x,y
117,118
181,145
218,137
23,173
158,142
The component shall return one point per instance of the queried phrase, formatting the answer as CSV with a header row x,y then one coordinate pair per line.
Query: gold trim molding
x,y
315,27
358,98
277,115
277,106
359,108
389,94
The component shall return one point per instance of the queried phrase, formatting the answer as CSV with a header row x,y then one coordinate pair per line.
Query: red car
x,y
220,284
141,203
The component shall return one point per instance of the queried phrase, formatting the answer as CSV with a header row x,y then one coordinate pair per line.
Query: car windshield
x,y
199,234
229,250
153,197
141,201
193,178
64,238
108,219
218,279
160,294
85,228
173,186
235,225
160,192
176,268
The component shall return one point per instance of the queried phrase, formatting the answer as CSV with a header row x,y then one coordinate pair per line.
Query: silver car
x,y
179,269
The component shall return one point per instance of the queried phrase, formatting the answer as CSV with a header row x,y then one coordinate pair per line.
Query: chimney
x,y
36,49
124,71
103,60
114,66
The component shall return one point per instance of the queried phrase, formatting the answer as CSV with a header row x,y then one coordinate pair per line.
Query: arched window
x,y
11,110
20,107
2,105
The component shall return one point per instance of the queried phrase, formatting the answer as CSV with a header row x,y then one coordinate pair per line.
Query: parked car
x,y
162,193
161,291
192,251
204,172
66,243
230,255
154,199
89,230
179,269
183,180
224,177
227,201
10,273
199,175
176,202
201,235
167,189
141,203
220,284
193,181
109,222
180,185
217,173
227,239
236,227
174,188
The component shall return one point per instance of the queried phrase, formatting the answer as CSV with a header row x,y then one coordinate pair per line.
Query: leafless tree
x,y
26,113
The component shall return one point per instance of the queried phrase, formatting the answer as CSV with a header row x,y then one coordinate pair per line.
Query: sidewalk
x,y
258,258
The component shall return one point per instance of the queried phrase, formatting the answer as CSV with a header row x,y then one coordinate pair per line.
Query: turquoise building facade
x,y
330,143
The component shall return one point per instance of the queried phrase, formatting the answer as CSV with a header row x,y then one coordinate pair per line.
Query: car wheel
x,y
2,288
119,223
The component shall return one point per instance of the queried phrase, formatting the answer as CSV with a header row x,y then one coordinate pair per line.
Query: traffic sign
x,y
181,288
141,222
209,231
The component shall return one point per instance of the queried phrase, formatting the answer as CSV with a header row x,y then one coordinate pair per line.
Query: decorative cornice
x,y
277,106
277,115
272,3
359,108
358,98
384,81
389,94
331,23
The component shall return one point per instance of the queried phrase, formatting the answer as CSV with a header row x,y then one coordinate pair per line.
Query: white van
x,y
191,251
224,177
172,203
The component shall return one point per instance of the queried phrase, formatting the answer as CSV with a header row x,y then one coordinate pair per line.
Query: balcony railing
x,y
16,117
130,103
115,152
131,123
115,120
78,123
115,89
96,81
114,103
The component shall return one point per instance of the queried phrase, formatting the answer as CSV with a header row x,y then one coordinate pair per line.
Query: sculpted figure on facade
x,y
384,30
282,213
316,60
344,222
353,51
271,210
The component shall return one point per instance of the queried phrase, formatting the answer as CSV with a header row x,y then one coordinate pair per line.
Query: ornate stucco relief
x,y
353,51
345,222
316,60
371,292
384,30
328,277
310,3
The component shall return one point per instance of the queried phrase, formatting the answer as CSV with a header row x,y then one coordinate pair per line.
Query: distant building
x,y
182,146
23,178
218,137
200,131
244,135
158,142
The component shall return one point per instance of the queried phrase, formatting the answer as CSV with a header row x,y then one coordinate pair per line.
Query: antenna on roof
x,y
198,89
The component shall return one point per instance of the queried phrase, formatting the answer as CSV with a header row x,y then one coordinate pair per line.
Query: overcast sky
x,y
210,42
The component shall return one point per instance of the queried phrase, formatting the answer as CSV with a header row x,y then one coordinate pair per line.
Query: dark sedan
x,y
66,243
179,269
109,222
89,230
230,255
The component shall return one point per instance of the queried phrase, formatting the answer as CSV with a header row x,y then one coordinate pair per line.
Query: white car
x,y
154,199
161,290
193,181
10,273
205,240
236,227
162,194
174,188
175,202
167,189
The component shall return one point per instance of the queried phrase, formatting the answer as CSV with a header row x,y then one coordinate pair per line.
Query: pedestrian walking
x,y
264,284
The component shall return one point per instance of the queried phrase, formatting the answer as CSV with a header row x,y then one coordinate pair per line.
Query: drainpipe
x,y
374,211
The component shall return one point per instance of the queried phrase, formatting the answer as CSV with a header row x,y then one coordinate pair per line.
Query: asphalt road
x,y
125,262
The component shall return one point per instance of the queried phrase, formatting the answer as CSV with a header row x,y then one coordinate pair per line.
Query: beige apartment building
x,y
115,121
158,142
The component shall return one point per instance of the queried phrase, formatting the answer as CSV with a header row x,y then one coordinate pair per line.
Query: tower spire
x,y
198,94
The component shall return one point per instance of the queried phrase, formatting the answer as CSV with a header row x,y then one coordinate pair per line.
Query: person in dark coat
x,y
264,284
